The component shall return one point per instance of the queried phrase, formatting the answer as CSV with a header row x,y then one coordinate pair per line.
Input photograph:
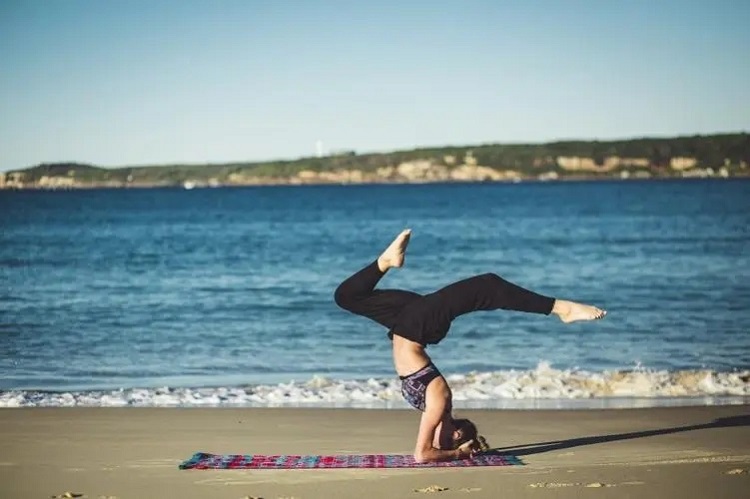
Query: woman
x,y
415,321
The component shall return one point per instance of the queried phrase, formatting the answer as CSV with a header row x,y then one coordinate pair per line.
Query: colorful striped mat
x,y
205,461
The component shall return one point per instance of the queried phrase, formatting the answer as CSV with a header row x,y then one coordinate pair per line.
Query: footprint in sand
x,y
737,471
431,488
552,485
591,485
470,489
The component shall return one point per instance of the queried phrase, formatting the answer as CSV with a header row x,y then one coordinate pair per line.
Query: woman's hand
x,y
466,450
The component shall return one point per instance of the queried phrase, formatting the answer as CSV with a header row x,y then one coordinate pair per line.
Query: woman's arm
x,y
426,453
438,395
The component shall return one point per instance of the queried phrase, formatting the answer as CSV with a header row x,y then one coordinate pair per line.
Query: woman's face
x,y
458,433
463,430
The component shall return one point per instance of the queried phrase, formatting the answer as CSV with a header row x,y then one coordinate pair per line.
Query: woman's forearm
x,y
432,455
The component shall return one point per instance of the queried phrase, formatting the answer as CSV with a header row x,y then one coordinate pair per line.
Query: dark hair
x,y
469,432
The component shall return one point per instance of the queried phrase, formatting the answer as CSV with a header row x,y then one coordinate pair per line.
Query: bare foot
x,y
570,311
393,256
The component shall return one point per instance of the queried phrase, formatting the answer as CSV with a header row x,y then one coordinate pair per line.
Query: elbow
x,y
425,456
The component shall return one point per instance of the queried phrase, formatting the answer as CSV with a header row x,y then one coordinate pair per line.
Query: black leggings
x,y
426,319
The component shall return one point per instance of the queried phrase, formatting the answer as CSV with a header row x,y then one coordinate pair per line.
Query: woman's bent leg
x,y
358,295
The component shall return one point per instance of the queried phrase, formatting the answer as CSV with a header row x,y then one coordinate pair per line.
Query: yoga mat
x,y
205,461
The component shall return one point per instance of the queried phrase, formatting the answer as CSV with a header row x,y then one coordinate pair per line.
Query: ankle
x,y
560,307
383,265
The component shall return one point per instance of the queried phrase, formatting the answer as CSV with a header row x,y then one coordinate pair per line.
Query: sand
x,y
698,452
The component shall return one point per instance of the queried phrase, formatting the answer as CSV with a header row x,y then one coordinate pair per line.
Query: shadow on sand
x,y
540,447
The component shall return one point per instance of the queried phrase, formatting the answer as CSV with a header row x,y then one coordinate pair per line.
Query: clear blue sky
x,y
151,82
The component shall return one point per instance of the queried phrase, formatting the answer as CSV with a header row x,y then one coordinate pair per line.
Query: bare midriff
x,y
408,356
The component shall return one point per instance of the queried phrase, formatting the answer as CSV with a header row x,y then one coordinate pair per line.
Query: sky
x,y
124,83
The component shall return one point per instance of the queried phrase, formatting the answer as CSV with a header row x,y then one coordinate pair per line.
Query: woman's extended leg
x,y
492,292
358,295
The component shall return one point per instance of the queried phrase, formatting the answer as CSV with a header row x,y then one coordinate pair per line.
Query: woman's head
x,y
465,430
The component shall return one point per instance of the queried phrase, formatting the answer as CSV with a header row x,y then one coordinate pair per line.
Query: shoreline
x,y
290,183
134,452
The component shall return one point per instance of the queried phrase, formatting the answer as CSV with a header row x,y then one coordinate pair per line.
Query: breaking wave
x,y
543,387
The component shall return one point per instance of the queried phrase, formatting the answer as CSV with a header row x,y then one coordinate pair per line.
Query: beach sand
x,y
696,452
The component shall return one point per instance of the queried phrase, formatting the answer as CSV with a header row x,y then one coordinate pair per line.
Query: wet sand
x,y
697,452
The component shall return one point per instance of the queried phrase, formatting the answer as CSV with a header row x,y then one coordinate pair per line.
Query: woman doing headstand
x,y
415,321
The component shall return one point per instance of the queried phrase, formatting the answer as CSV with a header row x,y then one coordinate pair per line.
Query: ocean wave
x,y
476,390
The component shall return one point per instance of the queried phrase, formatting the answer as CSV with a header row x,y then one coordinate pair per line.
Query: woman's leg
x,y
492,292
358,295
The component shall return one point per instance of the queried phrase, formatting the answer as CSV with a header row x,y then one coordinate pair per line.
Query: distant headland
x,y
724,155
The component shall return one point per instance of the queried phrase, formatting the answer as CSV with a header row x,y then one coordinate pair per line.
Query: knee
x,y
491,277
342,298
493,280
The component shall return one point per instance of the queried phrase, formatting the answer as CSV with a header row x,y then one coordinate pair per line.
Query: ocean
x,y
224,296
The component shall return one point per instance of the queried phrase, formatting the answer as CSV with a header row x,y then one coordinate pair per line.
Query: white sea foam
x,y
543,387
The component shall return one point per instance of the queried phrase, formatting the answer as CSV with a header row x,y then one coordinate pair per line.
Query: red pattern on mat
x,y
203,461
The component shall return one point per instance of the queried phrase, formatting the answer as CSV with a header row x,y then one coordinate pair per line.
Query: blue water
x,y
146,288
